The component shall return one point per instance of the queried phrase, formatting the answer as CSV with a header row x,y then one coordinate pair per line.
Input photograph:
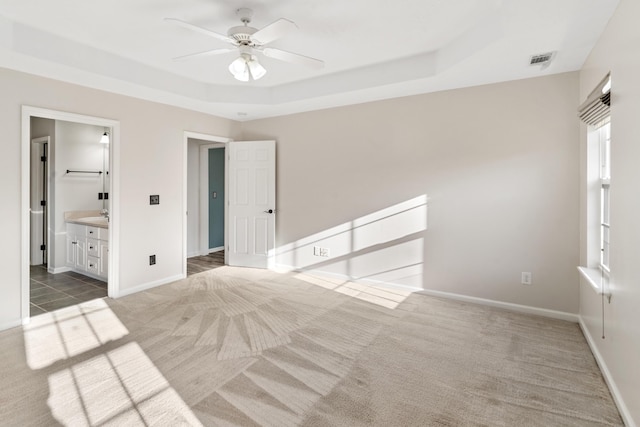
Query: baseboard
x,y
613,388
493,303
148,285
12,324
205,253
561,315
56,270
280,268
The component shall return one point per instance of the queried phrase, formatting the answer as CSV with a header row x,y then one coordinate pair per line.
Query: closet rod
x,y
98,172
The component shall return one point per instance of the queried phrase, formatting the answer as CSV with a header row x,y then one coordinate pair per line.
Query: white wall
x,y
151,161
193,196
77,147
618,51
498,163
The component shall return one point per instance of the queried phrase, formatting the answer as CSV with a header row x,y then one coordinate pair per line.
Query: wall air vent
x,y
543,59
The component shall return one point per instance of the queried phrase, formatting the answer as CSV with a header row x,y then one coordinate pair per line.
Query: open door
x,y
252,197
39,200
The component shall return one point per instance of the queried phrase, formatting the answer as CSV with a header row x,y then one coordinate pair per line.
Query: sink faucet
x,y
105,213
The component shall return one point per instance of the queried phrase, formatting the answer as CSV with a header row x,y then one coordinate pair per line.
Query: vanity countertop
x,y
90,218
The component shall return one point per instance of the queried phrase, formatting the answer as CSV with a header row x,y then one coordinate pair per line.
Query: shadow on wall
x,y
386,246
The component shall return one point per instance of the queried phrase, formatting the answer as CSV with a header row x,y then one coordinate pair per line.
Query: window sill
x,y
593,276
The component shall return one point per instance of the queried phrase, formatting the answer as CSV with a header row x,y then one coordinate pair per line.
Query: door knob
x,y
270,211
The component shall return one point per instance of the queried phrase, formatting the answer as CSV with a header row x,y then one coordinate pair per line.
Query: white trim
x,y
114,203
13,324
149,285
185,153
58,270
206,252
554,314
613,388
593,276
475,300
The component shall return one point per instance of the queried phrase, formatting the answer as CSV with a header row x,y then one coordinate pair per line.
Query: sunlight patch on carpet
x,y
386,297
120,387
71,331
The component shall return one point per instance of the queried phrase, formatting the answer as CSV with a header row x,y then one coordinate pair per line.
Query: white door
x,y
252,197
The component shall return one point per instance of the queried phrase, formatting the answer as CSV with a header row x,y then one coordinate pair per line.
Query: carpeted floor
x,y
250,347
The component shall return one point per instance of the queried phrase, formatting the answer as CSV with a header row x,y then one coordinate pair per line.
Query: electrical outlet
x,y
320,251
154,199
526,278
152,260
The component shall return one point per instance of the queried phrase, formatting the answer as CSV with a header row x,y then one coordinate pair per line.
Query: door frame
x,y
113,283
216,141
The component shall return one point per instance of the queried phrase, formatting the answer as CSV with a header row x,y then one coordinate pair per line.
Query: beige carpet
x,y
249,347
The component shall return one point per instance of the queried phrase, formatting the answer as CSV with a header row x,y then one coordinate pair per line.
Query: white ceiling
x,y
373,49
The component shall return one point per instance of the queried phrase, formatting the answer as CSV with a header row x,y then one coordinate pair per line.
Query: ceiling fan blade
x,y
295,58
273,31
200,30
206,53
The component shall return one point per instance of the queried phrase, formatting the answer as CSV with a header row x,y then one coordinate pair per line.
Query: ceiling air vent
x,y
543,59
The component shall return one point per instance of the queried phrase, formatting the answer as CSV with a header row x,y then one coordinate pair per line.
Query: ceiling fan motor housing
x,y
242,34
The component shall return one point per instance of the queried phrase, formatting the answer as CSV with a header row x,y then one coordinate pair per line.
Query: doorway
x,y
206,201
212,210
249,217
66,168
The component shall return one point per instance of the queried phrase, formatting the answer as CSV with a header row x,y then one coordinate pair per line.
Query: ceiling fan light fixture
x,y
256,69
240,69
247,67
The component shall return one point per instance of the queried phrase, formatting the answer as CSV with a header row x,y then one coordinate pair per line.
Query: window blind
x,y
597,106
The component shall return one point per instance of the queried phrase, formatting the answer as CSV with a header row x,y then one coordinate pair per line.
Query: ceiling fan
x,y
247,41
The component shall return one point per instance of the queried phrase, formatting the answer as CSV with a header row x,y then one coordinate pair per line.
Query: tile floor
x,y
53,291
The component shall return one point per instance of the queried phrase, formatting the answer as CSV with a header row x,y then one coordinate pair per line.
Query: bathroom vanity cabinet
x,y
88,250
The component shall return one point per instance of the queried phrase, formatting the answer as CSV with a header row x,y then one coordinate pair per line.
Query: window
x,y
595,112
604,136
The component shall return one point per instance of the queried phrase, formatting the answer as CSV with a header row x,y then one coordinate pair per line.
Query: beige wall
x,y
498,163
151,162
618,51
